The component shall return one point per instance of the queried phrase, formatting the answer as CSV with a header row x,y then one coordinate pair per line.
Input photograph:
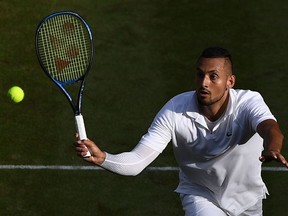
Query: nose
x,y
203,81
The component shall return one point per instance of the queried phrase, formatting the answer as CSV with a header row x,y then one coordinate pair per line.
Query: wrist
x,y
101,158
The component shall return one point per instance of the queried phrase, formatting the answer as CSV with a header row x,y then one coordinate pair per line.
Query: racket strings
x,y
64,47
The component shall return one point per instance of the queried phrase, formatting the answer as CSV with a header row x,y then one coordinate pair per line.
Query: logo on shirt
x,y
229,134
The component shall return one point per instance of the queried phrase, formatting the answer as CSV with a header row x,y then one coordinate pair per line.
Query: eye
x,y
200,74
213,76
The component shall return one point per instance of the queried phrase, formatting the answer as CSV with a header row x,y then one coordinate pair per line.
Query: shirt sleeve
x,y
130,163
160,132
258,110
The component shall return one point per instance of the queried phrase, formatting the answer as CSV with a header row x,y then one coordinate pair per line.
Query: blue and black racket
x,y
64,48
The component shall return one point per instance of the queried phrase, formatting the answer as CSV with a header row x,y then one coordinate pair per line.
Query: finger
x,y
82,142
262,159
87,143
79,148
275,156
266,156
79,143
81,151
282,159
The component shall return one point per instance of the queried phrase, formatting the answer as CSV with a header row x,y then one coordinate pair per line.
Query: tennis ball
x,y
16,94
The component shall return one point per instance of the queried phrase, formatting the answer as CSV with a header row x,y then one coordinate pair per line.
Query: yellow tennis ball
x,y
16,94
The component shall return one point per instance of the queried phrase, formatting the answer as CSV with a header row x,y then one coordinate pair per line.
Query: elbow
x,y
125,171
133,171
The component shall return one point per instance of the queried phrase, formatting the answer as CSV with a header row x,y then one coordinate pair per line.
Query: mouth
x,y
203,92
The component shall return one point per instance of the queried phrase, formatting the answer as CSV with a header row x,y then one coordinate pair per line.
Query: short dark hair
x,y
216,52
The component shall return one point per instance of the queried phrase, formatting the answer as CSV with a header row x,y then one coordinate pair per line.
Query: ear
x,y
231,81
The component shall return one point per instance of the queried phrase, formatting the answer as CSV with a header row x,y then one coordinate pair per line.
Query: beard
x,y
208,101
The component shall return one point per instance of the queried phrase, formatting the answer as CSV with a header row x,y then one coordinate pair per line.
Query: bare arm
x,y
273,138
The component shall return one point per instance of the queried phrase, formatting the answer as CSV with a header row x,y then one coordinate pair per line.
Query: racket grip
x,y
80,126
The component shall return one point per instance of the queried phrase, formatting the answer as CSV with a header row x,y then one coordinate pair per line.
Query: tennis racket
x,y
64,48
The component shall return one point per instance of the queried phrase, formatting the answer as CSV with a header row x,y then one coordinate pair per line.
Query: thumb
x,y
91,146
262,158
88,143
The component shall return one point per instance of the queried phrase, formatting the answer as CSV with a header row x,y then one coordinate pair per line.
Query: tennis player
x,y
220,138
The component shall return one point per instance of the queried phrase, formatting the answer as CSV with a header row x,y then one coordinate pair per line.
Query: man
x,y
218,135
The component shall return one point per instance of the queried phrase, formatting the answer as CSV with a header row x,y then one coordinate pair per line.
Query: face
x,y
213,79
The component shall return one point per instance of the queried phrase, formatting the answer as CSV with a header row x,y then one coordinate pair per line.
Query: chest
x,y
195,138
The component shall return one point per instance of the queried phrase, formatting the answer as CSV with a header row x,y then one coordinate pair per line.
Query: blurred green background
x,y
144,54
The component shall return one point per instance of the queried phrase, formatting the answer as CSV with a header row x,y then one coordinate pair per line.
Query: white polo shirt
x,y
222,164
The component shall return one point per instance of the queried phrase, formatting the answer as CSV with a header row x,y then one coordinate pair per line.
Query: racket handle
x,y
80,126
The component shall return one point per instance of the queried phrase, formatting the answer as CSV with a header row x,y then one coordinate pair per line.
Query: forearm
x,y
270,132
130,163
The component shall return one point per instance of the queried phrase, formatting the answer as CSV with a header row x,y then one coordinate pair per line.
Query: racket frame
x,y
76,107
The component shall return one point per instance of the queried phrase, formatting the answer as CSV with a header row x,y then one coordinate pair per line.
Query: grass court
x,y
144,54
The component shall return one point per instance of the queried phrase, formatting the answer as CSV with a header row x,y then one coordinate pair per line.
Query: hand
x,y
97,156
273,155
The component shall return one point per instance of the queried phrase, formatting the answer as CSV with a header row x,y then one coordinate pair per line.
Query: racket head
x,y
64,47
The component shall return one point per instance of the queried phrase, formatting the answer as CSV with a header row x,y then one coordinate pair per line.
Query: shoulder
x,y
183,101
240,96
247,101
241,93
179,104
250,105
